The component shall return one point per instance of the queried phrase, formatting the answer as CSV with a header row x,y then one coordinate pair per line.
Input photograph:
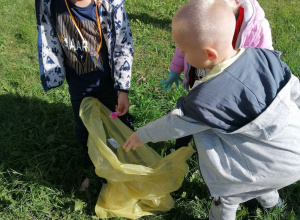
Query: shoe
x,y
279,205
84,185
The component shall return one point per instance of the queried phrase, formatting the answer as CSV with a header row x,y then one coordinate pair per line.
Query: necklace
x,y
84,42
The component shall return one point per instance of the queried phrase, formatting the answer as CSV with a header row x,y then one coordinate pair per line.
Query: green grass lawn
x,y
40,168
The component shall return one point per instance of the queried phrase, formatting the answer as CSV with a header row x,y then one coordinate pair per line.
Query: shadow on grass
x,y
39,150
155,21
38,143
38,147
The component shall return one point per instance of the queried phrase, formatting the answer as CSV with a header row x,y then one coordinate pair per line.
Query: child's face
x,y
195,56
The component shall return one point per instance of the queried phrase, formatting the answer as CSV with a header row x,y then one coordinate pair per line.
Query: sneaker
x,y
84,185
279,205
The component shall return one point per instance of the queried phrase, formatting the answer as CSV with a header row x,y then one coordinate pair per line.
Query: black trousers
x,y
100,87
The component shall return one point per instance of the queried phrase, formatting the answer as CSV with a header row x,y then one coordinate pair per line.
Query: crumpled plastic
x,y
139,182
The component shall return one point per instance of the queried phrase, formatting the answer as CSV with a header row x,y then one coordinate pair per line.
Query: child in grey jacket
x,y
244,115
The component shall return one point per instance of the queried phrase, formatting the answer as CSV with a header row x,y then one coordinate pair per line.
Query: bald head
x,y
205,22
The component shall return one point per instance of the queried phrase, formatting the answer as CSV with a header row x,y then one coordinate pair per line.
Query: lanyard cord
x,y
98,23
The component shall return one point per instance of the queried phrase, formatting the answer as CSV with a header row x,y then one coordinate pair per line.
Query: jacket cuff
x,y
122,90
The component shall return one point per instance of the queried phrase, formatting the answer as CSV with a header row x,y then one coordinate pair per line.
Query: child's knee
x,y
222,209
268,200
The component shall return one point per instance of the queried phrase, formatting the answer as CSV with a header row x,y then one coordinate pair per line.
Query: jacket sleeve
x,y
170,126
295,90
50,55
262,24
177,62
265,36
122,50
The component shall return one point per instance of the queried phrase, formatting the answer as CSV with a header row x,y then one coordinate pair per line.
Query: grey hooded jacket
x,y
257,152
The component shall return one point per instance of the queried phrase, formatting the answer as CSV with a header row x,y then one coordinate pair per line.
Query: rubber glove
x,y
173,78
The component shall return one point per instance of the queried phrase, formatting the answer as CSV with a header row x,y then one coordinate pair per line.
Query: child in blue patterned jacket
x,y
88,43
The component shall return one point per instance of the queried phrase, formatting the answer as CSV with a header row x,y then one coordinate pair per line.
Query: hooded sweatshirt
x,y
245,123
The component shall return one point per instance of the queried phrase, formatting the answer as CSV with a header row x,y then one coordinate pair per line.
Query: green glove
x,y
173,78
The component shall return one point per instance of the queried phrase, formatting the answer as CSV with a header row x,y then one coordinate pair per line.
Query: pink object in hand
x,y
114,114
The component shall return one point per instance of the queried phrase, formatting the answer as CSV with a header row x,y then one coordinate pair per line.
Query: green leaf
x,y
78,205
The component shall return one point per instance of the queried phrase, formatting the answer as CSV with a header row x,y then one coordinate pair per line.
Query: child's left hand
x,y
173,78
123,103
132,142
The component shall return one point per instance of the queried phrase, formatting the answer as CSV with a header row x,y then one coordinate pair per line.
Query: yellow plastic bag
x,y
138,182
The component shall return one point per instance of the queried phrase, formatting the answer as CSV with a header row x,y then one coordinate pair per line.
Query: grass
x,y
40,168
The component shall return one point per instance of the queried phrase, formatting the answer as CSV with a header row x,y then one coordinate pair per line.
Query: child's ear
x,y
212,54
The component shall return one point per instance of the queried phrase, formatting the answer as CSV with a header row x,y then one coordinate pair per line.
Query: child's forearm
x,y
169,127
123,51
177,62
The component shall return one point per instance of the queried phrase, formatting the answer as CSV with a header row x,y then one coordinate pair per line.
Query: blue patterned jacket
x,y
117,34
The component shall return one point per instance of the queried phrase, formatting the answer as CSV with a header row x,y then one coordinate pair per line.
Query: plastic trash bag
x,y
138,182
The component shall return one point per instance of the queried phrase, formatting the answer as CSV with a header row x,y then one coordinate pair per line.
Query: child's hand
x,y
132,142
173,77
123,103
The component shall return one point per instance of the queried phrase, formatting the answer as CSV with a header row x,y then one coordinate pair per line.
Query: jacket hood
x,y
270,123
255,30
243,97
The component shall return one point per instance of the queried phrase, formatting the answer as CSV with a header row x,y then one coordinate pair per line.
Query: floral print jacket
x,y
117,34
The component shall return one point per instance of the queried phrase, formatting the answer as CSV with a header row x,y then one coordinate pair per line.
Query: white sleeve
x,y
295,90
170,126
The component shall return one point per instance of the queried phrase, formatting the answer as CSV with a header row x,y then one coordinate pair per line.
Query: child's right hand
x,y
173,77
132,142
123,103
